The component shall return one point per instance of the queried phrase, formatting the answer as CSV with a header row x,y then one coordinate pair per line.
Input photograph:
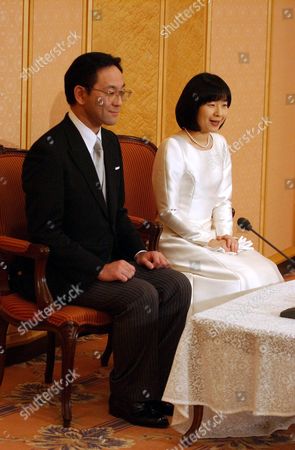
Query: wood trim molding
x,y
265,135
86,45
161,92
26,57
208,37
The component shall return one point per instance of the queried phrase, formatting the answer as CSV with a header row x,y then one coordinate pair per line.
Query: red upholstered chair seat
x,y
22,310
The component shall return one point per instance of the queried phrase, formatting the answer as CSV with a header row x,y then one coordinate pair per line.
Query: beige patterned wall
x,y
157,61
238,54
11,16
39,39
250,46
51,54
279,224
130,29
234,38
184,54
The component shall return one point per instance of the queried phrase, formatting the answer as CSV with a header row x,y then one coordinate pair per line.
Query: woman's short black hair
x,y
202,88
83,71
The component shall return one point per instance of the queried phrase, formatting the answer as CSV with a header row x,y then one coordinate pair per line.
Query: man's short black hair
x,y
202,88
83,71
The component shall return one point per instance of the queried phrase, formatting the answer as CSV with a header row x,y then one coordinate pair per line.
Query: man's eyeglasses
x,y
124,94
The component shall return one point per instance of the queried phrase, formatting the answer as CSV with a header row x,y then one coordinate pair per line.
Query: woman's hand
x,y
231,242
152,260
227,242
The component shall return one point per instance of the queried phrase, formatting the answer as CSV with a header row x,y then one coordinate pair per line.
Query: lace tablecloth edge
x,y
230,411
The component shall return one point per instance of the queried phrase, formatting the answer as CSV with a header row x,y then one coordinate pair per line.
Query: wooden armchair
x,y
138,158
69,322
66,323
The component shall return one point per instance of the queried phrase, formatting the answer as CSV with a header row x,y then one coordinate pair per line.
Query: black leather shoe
x,y
138,413
161,407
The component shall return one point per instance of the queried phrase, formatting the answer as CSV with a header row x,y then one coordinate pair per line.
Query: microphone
x,y
244,224
100,101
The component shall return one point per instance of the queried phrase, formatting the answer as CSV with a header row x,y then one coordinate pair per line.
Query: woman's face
x,y
212,115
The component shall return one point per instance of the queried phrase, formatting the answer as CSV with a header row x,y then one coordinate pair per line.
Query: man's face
x,y
103,103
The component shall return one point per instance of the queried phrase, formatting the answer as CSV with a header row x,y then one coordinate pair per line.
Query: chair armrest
x,y
150,231
39,253
21,247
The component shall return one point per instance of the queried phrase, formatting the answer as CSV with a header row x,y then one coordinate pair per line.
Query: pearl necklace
x,y
196,142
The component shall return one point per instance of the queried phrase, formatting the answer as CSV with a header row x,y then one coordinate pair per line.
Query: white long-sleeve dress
x,y
193,193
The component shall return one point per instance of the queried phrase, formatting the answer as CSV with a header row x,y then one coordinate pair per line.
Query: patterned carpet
x,y
25,424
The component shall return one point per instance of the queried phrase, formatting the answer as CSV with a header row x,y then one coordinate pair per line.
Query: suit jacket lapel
x,y
83,162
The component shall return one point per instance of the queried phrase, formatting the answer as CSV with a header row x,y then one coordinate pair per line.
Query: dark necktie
x,y
99,164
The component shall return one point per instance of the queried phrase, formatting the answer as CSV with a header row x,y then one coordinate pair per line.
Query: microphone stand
x,y
244,224
274,247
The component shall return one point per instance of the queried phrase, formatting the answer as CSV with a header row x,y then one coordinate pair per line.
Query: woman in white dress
x,y
193,187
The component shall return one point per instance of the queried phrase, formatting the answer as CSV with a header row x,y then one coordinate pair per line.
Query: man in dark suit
x,y
73,181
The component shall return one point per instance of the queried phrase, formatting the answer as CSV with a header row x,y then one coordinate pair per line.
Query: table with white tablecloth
x,y
238,358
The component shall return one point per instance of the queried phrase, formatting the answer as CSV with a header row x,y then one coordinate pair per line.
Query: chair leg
x,y
3,332
107,352
197,420
50,358
69,335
